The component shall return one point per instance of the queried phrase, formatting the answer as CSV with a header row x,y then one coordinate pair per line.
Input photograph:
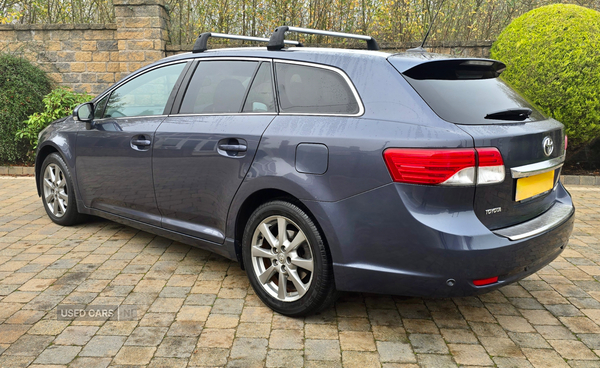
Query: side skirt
x,y
226,250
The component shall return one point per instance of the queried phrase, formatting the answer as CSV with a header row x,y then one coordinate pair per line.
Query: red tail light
x,y
489,157
444,166
484,282
566,142
427,166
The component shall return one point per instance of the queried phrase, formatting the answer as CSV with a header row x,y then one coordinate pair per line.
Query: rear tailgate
x,y
468,93
521,146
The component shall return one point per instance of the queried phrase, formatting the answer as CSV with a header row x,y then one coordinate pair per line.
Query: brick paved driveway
x,y
196,309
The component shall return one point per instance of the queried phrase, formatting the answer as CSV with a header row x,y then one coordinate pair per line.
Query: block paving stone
x,y
194,308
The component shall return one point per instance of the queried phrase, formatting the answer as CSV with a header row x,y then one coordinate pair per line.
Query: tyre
x,y
282,246
58,195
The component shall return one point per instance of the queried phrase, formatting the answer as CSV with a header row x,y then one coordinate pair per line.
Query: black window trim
x,y
361,107
132,77
107,96
184,87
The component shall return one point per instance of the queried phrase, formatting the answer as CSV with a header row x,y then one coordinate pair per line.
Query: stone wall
x,y
91,57
83,57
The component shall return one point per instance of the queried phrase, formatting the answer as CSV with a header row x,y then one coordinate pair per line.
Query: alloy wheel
x,y
282,258
55,190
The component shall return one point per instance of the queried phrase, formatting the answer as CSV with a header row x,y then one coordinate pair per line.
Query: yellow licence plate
x,y
534,185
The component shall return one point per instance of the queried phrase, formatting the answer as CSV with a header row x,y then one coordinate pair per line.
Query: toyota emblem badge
x,y
548,146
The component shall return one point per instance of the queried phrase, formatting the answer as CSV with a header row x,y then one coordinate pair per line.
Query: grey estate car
x,y
322,169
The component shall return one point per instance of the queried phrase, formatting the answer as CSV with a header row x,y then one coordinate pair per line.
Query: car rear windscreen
x,y
470,95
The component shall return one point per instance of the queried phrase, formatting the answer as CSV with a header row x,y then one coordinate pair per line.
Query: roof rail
x,y
201,42
277,40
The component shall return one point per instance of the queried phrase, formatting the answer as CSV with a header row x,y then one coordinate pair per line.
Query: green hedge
x,y
57,104
553,58
22,88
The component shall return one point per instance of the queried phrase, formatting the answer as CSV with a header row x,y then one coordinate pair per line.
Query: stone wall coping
x,y
566,179
138,2
56,27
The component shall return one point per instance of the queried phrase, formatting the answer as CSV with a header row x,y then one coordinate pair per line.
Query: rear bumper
x,y
391,241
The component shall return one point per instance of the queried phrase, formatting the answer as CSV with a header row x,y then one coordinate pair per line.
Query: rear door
x,y
470,94
114,158
203,150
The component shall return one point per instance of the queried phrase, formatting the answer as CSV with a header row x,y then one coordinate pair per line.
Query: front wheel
x,y
287,261
58,195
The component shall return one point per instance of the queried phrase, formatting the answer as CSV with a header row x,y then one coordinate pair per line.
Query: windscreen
x,y
470,94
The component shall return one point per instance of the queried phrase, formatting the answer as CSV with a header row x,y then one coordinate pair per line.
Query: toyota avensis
x,y
322,169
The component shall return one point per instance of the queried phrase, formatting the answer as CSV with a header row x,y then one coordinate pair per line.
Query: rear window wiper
x,y
519,114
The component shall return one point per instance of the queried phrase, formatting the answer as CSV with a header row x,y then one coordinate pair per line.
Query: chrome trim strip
x,y
227,113
537,168
549,219
361,107
103,120
231,58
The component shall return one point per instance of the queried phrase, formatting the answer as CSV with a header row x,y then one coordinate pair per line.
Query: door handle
x,y
141,142
233,147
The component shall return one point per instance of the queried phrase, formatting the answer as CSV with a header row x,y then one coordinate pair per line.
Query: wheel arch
x,y
44,152
253,201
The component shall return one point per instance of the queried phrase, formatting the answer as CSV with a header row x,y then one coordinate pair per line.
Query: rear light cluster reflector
x,y
456,166
484,282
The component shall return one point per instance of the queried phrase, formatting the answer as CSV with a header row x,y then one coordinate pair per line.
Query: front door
x,y
202,154
114,158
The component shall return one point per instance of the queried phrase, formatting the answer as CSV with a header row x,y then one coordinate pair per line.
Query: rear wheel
x,y
287,261
57,192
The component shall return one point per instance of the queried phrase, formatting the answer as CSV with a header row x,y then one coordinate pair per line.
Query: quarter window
x,y
144,95
260,97
313,90
218,87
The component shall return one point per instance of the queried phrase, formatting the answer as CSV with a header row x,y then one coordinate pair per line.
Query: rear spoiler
x,y
448,69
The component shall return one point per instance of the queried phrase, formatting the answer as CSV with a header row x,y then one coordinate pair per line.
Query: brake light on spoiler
x,y
441,166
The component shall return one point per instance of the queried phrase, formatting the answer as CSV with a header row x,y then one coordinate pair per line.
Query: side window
x,y
260,97
218,87
144,95
99,108
314,90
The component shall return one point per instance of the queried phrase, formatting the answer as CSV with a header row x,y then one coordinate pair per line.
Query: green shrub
x,y
553,58
57,104
22,88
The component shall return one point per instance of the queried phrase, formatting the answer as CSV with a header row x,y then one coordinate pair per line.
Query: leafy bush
x,y
552,58
57,104
22,88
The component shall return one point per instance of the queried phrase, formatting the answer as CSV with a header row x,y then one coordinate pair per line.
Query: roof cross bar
x,y
277,40
201,42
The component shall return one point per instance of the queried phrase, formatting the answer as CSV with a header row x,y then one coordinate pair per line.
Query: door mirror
x,y
85,114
